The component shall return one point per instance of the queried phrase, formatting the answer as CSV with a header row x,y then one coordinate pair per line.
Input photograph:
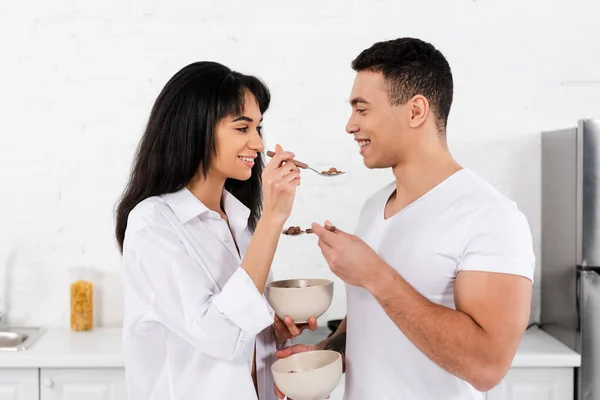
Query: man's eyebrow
x,y
357,100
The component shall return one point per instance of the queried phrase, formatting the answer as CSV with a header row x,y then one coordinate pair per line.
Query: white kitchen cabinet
x,y
19,384
109,384
82,383
535,384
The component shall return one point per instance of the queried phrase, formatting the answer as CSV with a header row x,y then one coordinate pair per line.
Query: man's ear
x,y
419,110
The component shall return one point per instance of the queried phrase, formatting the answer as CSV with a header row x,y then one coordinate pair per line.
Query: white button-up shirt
x,y
192,314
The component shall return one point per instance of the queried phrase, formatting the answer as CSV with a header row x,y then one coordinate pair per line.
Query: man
x,y
439,273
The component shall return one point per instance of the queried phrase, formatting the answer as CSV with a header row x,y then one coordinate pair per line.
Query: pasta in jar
x,y
82,305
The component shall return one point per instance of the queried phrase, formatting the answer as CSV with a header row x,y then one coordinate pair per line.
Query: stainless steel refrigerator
x,y
570,260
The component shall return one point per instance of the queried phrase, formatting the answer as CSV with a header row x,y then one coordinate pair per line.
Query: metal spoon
x,y
330,228
302,165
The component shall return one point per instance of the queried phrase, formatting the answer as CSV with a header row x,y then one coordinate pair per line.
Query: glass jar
x,y
82,305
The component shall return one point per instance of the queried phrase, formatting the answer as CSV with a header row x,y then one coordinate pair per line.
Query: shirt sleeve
x,y
182,295
499,240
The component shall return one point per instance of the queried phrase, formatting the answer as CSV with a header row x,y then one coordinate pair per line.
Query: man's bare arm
x,y
477,341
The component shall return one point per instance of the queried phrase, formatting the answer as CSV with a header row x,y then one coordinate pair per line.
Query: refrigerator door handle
x,y
578,298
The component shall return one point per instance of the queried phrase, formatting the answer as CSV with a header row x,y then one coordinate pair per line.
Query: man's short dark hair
x,y
410,67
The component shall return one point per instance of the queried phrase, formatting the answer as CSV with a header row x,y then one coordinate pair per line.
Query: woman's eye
x,y
360,110
244,129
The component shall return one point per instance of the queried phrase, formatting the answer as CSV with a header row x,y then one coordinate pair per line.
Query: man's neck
x,y
421,173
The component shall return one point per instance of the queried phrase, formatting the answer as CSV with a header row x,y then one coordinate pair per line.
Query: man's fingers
x,y
324,234
288,351
278,393
325,248
283,353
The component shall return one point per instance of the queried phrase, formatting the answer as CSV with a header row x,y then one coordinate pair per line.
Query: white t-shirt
x,y
461,224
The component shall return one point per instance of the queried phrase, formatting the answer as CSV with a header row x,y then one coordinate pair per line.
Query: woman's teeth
x,y
247,159
362,143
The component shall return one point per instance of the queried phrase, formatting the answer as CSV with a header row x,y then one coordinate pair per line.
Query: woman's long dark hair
x,y
179,141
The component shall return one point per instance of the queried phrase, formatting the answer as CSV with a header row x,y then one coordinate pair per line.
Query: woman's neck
x,y
209,191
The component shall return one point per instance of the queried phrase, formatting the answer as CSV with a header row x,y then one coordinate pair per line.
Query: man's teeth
x,y
250,160
362,143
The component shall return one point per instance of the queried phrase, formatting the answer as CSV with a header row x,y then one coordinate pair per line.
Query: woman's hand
x,y
287,329
280,178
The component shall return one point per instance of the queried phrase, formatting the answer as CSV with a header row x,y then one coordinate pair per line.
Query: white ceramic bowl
x,y
312,375
299,299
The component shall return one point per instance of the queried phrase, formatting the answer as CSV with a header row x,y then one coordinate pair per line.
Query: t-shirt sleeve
x,y
499,240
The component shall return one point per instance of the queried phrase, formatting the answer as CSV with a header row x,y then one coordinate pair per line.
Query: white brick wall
x,y
77,80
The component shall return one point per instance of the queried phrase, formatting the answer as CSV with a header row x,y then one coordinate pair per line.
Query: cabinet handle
x,y
48,383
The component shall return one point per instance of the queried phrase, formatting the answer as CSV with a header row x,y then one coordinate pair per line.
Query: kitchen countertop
x,y
63,348
539,349
102,348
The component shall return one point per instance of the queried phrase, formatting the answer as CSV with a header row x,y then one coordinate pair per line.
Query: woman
x,y
196,248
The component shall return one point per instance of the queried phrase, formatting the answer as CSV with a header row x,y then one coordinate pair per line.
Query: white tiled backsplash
x,y
78,81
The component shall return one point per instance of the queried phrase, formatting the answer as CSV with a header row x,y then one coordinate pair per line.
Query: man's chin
x,y
372,164
377,166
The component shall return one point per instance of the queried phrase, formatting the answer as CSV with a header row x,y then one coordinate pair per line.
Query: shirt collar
x,y
236,211
186,206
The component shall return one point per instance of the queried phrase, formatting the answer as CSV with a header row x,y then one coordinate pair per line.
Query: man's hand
x,y
287,329
298,348
348,256
288,351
